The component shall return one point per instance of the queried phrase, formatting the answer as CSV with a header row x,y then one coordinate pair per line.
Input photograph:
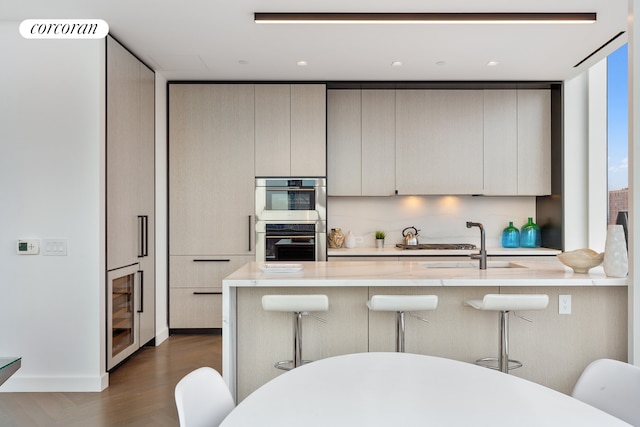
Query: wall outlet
x,y
564,304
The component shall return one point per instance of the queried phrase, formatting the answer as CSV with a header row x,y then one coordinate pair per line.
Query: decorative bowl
x,y
581,260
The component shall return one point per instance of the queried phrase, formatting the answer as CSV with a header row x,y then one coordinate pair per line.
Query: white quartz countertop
x,y
538,271
394,251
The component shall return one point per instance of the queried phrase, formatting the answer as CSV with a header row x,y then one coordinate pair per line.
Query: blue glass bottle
x,y
530,235
510,236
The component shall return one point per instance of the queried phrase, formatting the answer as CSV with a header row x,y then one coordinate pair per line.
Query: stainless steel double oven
x,y
291,219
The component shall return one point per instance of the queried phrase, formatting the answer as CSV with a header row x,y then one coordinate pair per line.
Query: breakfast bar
x,y
554,348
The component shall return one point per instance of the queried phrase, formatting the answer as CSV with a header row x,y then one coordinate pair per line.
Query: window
x,y
617,133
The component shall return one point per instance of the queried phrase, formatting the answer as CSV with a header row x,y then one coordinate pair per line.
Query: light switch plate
x,y
28,247
54,247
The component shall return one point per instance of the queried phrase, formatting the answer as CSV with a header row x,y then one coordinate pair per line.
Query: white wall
x,y
51,138
441,219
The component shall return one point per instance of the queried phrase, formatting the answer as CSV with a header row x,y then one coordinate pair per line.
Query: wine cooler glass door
x,y
122,303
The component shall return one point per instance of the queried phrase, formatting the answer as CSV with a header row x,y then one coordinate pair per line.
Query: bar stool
x,y
299,305
400,304
505,303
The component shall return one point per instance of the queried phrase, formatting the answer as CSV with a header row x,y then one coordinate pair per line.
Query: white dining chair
x,y
613,387
203,398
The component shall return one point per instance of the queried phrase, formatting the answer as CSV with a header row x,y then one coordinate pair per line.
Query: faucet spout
x,y
482,255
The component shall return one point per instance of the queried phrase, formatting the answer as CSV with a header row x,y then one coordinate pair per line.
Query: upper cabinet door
x,y
439,141
273,130
290,126
534,142
378,142
500,142
211,169
344,148
308,130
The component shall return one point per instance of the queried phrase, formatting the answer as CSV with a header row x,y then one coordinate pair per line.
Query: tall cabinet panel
x,y
130,188
211,169
437,132
211,196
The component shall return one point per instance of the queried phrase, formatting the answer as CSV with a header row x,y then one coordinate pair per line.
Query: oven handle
x,y
289,189
292,237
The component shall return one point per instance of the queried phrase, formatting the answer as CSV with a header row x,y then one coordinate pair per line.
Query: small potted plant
x,y
380,235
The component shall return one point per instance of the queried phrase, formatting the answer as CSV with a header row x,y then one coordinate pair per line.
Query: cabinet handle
x,y
211,260
249,233
143,236
207,293
141,291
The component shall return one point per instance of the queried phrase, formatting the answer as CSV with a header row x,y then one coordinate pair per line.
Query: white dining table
x,y
393,389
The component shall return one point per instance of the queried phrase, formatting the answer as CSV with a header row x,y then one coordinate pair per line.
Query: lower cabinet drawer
x,y
195,308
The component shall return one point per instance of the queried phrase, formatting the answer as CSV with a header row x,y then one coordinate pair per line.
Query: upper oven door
x,y
291,199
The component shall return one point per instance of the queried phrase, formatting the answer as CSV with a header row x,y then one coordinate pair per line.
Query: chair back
x,y
203,398
613,387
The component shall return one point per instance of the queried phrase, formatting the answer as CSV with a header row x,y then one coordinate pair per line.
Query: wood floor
x,y
140,392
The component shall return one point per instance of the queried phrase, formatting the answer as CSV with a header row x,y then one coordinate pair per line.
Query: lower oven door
x,y
290,241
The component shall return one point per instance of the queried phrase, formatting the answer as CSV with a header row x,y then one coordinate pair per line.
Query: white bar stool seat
x,y
299,305
505,303
401,304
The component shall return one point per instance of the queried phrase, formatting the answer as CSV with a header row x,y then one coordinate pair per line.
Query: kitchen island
x,y
554,348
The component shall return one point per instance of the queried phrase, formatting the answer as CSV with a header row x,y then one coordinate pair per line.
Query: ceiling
x,y
218,40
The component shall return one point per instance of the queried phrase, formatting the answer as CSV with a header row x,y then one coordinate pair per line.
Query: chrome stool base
x,y
494,363
287,365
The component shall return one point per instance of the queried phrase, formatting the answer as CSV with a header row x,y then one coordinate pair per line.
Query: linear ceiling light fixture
x,y
424,18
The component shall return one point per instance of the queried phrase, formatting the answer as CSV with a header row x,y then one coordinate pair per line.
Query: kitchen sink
x,y
470,264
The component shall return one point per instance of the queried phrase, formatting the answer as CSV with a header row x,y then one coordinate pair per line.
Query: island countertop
x,y
536,271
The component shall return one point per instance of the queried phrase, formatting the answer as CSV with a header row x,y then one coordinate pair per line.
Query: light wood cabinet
x,y
361,142
344,142
534,142
211,196
130,176
196,289
290,130
211,169
517,142
439,141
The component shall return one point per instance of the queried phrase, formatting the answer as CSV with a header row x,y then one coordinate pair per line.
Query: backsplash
x,y
440,219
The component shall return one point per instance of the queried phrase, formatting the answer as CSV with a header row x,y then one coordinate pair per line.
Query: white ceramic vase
x,y
350,240
616,261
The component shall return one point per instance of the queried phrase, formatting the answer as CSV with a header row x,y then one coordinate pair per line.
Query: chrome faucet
x,y
482,255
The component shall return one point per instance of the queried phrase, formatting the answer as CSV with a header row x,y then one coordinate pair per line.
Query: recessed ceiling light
x,y
396,64
492,63
243,62
302,63
441,63
425,18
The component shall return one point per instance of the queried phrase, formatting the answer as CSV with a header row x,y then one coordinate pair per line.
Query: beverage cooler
x,y
124,303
